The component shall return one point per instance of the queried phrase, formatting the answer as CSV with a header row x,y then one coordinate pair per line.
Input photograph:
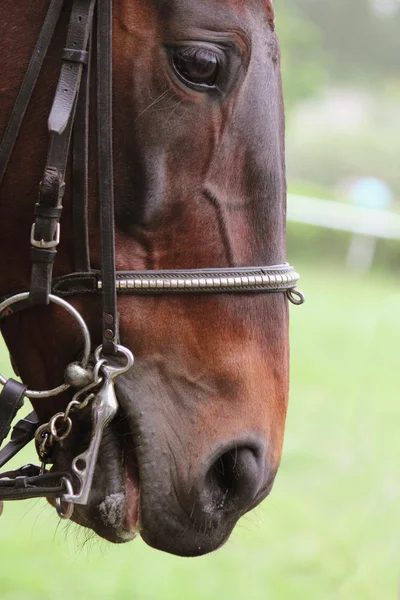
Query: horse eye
x,y
199,66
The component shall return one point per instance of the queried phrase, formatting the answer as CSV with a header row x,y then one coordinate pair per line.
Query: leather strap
x,y
27,482
73,55
44,238
29,83
44,234
80,168
105,175
23,432
71,71
11,400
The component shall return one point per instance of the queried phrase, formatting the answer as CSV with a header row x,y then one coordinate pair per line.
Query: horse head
x,y
198,133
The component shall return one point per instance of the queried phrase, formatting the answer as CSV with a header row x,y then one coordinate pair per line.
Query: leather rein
x,y
92,379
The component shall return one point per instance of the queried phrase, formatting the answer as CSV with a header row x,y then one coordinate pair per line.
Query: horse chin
x,y
119,511
113,508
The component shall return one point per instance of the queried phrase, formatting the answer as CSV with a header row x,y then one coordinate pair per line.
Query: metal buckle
x,y
42,243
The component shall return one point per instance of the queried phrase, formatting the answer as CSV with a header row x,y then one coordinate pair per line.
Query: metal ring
x,y
121,350
96,371
86,351
53,429
296,297
72,406
65,513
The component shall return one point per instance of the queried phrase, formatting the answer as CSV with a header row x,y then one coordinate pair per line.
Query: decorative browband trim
x,y
257,279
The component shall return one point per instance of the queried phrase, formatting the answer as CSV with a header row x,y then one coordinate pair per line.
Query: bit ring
x,y
115,371
65,509
86,336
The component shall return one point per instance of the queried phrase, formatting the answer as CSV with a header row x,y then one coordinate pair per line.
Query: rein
x,y
92,379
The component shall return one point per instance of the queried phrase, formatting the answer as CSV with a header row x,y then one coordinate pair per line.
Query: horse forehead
x,y
147,12
265,5
215,7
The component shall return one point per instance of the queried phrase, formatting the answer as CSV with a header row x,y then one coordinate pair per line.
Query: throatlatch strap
x,y
28,84
105,174
11,400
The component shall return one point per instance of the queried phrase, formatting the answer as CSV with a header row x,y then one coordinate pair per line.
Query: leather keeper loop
x,y
42,255
75,55
51,187
48,212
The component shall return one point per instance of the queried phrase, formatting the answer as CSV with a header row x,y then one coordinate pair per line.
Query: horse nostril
x,y
235,477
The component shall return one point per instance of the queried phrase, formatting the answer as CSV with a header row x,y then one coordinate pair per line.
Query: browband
x,y
277,278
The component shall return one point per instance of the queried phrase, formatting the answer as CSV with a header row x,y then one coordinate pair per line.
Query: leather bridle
x,y
68,126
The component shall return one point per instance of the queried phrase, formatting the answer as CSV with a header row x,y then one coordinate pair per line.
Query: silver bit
x,y
104,409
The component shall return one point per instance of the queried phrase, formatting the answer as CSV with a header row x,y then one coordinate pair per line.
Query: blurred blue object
x,y
371,192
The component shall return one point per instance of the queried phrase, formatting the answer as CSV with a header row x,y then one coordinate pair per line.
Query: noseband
x,y
93,385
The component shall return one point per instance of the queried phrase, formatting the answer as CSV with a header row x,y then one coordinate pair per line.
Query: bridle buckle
x,y
42,244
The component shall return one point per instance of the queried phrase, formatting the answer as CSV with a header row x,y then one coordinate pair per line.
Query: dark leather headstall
x,y
68,126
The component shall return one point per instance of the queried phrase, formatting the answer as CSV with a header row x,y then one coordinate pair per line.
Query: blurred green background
x,y
331,528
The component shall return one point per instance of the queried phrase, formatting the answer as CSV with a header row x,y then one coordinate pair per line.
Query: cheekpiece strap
x,y
105,175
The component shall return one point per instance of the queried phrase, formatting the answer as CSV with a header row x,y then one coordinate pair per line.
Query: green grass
x,y
330,530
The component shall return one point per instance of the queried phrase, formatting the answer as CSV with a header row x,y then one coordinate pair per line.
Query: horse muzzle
x,y
144,483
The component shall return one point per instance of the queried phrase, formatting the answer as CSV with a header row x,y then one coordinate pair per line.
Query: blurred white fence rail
x,y
366,225
345,217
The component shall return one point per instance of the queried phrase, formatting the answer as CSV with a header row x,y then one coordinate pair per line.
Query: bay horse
x,y
198,177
